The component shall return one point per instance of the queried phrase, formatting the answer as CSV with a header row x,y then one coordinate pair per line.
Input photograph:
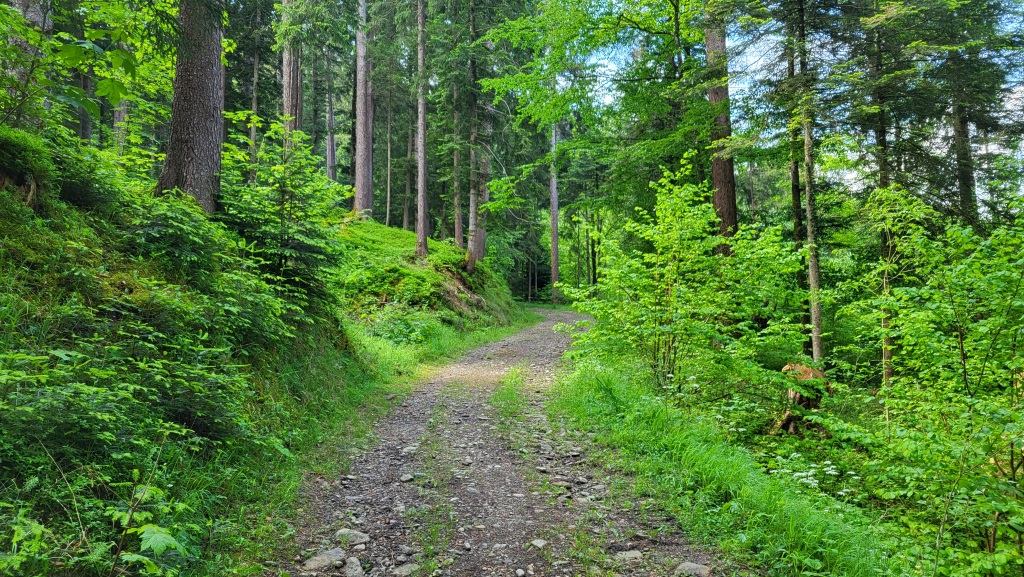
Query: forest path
x,y
452,487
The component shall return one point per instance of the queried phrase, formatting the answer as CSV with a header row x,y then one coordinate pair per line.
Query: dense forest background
x,y
795,223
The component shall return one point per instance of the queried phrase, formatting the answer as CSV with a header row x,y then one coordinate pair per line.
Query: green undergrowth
x,y
717,491
166,381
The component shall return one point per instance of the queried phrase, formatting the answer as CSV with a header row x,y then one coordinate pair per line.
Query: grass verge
x,y
716,491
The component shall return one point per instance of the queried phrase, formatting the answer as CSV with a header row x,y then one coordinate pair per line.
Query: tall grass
x,y
716,491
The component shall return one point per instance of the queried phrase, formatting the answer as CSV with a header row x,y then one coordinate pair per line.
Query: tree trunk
x,y
387,200
421,130
84,116
254,103
554,216
813,275
723,177
364,121
331,155
193,157
884,180
408,183
474,177
484,196
456,180
353,134
291,80
120,126
964,166
796,199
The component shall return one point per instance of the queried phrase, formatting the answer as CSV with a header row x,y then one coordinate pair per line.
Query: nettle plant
x,y
697,307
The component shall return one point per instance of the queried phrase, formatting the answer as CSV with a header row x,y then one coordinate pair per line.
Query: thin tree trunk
x,y
554,216
421,130
964,166
364,120
291,74
797,204
408,183
254,102
484,195
84,116
456,180
884,180
331,156
813,274
193,157
387,203
474,177
120,126
353,134
723,177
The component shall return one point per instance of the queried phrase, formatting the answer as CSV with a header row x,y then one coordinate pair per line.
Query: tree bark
x,y
484,196
387,200
554,216
254,102
120,126
884,180
193,158
364,121
408,183
964,166
796,195
723,177
456,180
331,156
813,273
421,130
474,177
291,80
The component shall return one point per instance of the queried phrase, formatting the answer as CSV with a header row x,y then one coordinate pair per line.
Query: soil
x,y
451,487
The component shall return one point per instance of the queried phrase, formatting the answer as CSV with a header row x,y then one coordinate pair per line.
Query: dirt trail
x,y
451,489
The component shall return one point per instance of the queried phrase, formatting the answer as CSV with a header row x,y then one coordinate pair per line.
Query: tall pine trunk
x,y
364,120
254,101
331,156
723,177
408,182
554,216
796,191
291,80
965,180
387,200
484,196
456,180
884,180
474,124
813,273
421,130
193,157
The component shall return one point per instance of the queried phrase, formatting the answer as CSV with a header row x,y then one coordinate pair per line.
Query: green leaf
x,y
156,538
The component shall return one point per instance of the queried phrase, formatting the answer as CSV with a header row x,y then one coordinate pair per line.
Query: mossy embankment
x,y
165,383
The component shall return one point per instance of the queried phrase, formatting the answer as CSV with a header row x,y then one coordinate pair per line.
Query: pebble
x,y
352,537
520,573
692,570
353,568
406,478
631,556
324,560
405,570
538,543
